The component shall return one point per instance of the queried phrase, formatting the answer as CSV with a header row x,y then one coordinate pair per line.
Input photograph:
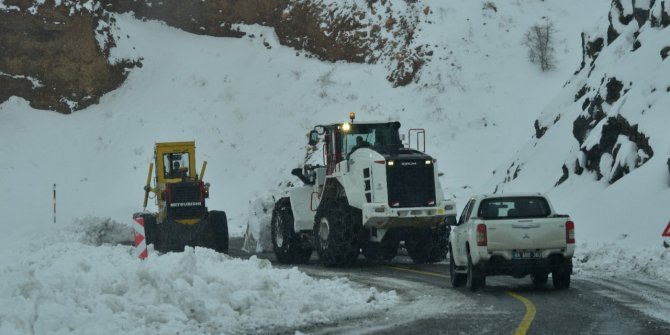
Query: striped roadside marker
x,y
140,241
54,202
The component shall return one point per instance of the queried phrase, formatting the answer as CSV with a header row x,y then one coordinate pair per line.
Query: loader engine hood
x,y
396,153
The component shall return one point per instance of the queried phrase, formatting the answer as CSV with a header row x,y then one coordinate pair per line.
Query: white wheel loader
x,y
371,193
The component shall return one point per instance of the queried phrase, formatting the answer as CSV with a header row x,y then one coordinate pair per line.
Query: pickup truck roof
x,y
507,195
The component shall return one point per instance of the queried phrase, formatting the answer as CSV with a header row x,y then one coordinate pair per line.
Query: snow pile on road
x,y
59,285
612,260
257,236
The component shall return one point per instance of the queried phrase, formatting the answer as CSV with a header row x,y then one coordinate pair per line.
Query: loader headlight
x,y
428,162
346,126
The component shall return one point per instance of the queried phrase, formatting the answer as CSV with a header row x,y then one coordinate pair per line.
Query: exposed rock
x,y
539,131
613,90
582,91
578,168
53,60
665,52
609,144
593,48
564,177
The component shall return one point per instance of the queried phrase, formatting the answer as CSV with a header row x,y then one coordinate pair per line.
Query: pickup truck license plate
x,y
525,254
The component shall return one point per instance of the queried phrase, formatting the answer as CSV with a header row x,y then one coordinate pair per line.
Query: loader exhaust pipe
x,y
147,188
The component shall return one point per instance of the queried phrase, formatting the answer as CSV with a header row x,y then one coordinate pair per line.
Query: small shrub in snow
x,y
539,40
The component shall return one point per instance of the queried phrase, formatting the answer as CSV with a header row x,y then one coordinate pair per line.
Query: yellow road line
x,y
528,318
419,272
530,308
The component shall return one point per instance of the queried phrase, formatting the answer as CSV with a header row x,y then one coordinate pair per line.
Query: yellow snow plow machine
x,y
182,219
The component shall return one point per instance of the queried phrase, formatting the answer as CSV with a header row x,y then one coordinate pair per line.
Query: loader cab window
x,y
376,136
176,165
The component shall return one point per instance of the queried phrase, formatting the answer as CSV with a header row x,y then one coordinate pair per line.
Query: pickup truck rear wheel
x,y
457,279
475,278
560,277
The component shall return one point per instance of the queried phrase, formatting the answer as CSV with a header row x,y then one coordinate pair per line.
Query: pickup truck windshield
x,y
513,207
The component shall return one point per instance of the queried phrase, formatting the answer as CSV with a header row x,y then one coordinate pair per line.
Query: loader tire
x,y
337,233
289,247
219,227
427,245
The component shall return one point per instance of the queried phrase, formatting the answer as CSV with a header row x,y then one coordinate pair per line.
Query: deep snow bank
x,y
71,282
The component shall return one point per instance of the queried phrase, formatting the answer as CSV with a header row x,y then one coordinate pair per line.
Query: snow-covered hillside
x,y
248,108
604,156
248,104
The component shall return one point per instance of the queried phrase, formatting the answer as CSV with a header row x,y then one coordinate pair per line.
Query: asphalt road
x,y
504,306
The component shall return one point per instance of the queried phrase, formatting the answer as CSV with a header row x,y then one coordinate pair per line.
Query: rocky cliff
x,y
55,53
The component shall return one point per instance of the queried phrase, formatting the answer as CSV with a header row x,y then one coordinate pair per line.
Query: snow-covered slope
x,y
604,156
248,107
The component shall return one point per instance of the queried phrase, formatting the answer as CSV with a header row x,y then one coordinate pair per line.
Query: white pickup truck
x,y
515,235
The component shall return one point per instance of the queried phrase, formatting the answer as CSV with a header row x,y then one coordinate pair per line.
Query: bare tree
x,y
540,42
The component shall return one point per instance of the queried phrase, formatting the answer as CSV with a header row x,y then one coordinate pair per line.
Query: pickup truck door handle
x,y
525,226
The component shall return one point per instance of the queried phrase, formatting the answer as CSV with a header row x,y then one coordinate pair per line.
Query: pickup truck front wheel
x,y
476,279
457,279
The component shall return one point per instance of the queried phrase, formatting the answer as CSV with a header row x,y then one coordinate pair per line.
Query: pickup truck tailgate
x,y
536,233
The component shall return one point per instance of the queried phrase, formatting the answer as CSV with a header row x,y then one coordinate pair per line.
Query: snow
x,y
249,107
198,291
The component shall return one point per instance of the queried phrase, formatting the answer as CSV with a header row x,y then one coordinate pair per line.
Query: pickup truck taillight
x,y
481,235
570,232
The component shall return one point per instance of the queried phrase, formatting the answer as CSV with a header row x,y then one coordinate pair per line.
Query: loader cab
x,y
342,139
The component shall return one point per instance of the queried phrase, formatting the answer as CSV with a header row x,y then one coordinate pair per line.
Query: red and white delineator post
x,y
140,240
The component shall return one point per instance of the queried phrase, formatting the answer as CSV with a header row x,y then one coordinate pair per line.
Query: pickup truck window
x,y
466,212
513,207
